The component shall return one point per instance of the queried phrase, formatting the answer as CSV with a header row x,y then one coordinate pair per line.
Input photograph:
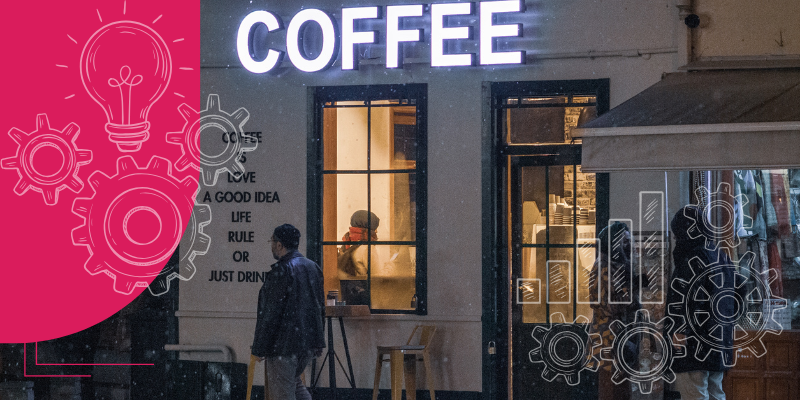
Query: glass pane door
x,y
553,245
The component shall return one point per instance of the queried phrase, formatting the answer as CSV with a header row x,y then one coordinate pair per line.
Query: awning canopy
x,y
698,121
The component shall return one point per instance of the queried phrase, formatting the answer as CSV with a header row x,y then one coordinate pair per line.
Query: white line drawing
x,y
193,243
151,194
48,183
529,291
652,213
722,203
565,349
559,281
126,67
650,366
750,325
585,278
620,278
212,120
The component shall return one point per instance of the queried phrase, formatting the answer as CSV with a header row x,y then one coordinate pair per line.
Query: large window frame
x,y
410,94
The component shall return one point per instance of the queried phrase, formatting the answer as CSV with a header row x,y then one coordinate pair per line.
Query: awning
x,y
701,120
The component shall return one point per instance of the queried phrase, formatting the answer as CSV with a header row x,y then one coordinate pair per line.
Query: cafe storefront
x,y
493,141
480,136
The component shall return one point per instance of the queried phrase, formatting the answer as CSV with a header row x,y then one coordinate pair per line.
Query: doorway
x,y
547,216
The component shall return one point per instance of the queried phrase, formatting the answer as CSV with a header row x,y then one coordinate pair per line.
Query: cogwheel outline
x,y
748,310
567,365
642,325
722,200
49,185
195,242
132,262
213,117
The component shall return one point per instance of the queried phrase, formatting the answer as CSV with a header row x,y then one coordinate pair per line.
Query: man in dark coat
x,y
703,293
291,307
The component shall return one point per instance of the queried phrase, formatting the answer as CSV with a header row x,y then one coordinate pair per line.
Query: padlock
x,y
492,348
414,302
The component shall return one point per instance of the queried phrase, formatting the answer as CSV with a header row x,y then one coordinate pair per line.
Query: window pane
x,y
393,200
545,124
545,100
534,203
394,134
548,284
585,285
345,129
393,277
343,194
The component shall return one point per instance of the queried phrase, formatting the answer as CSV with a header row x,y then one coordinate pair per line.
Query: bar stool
x,y
403,361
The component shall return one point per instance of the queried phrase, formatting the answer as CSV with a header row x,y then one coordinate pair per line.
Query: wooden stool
x,y
403,361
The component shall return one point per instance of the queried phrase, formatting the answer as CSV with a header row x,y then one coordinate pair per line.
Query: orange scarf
x,y
357,235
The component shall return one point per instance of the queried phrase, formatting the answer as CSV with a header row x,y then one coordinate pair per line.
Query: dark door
x,y
552,249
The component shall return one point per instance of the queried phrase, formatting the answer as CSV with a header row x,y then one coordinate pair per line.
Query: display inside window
x,y
558,239
765,233
370,202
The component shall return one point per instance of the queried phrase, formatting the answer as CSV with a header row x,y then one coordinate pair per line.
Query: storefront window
x,y
755,216
547,119
373,196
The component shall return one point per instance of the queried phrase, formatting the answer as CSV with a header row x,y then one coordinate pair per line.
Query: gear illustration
x,y
706,324
134,222
207,125
651,365
33,175
721,203
565,349
193,243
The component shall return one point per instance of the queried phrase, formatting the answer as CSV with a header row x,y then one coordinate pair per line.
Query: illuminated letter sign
x,y
489,31
329,39
395,35
439,33
350,38
274,57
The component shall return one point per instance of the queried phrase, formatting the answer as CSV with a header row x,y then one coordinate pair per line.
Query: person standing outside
x,y
695,378
289,324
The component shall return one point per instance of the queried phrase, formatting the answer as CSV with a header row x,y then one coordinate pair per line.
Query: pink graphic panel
x,y
93,204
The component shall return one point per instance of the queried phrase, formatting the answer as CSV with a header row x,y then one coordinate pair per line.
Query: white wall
x,y
741,28
278,107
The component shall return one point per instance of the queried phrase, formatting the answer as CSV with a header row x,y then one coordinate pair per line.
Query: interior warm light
x,y
273,58
350,38
329,39
440,33
395,35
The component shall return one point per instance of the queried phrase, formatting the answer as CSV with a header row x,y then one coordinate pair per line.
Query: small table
x,y
339,312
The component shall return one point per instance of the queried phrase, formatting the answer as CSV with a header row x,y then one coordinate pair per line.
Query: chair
x,y
403,361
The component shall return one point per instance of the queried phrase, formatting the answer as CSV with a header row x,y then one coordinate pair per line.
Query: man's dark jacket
x,y
687,248
291,307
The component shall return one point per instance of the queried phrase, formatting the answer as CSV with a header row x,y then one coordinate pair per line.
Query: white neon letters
x,y
293,45
489,31
439,33
350,38
395,35
243,42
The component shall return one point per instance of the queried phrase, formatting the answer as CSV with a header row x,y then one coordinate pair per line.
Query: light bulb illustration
x,y
126,67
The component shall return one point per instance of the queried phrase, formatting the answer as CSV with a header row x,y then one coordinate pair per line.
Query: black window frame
x,y
408,94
